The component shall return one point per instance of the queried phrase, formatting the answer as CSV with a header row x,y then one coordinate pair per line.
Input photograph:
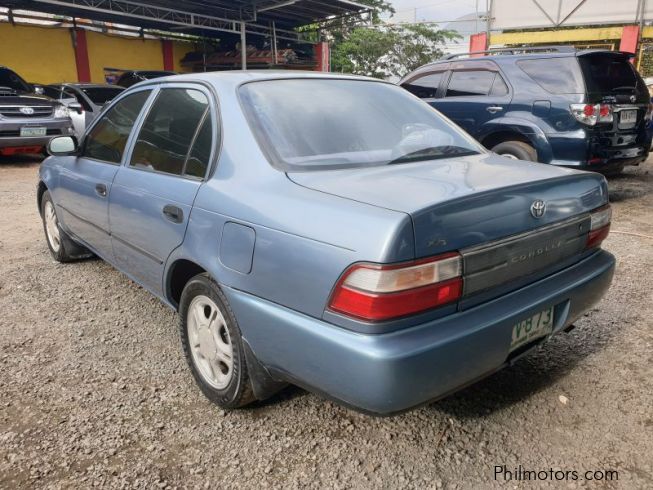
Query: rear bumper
x,y
387,373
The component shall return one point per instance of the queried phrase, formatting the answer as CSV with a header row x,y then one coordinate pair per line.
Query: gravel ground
x,y
94,390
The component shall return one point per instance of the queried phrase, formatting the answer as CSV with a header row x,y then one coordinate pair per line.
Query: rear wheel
x,y
517,150
213,345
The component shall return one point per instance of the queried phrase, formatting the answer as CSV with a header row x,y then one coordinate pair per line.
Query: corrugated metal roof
x,y
197,16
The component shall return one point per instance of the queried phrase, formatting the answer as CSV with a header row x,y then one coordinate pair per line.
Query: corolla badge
x,y
538,208
28,111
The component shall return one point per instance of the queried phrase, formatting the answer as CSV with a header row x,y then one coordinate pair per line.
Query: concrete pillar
x,y
81,55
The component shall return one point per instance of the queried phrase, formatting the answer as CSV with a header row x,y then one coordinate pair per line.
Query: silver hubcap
x,y
508,155
52,226
210,344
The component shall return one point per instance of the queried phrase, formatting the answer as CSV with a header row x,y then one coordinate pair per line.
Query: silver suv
x,y
27,119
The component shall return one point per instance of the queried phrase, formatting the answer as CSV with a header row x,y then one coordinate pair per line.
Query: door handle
x,y
173,213
101,190
493,109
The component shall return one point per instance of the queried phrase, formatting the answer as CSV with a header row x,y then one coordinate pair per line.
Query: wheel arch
x,y
508,129
40,190
178,274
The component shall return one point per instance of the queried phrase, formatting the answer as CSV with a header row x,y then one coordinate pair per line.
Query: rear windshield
x,y
609,74
102,95
555,75
305,124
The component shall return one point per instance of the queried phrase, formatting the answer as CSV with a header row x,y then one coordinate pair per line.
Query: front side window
x,y
470,83
318,124
169,131
425,87
107,140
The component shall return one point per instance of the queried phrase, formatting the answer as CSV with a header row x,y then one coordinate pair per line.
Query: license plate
x,y
628,117
33,131
532,328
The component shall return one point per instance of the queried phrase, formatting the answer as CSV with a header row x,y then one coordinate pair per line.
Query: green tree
x,y
386,51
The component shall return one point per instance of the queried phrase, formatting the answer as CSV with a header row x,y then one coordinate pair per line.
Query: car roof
x,y
242,76
501,56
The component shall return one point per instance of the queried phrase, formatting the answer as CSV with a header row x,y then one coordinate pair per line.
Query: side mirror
x,y
76,106
63,146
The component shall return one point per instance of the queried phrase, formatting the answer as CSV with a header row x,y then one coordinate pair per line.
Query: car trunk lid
x,y
481,206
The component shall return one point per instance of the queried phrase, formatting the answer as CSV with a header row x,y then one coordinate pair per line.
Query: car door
x,y
85,182
153,193
473,95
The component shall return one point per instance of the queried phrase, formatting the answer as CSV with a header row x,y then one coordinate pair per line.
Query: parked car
x,y
584,109
129,78
87,100
329,231
27,119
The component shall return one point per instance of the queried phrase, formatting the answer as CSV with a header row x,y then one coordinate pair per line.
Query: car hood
x,y
464,201
26,99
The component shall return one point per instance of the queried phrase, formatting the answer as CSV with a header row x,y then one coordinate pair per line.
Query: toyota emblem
x,y
538,208
633,98
28,111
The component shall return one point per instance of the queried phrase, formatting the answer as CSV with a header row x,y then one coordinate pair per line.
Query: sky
x,y
434,10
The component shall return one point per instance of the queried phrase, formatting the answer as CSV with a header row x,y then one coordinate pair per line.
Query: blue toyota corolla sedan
x,y
333,232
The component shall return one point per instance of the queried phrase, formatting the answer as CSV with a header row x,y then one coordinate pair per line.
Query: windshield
x,y
11,80
102,95
610,74
321,124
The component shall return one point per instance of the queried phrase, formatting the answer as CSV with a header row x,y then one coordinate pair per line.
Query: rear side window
x,y
107,140
609,74
170,129
470,83
424,87
499,87
555,75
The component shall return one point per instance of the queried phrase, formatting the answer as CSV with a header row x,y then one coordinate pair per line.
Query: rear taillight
x,y
376,292
591,114
600,226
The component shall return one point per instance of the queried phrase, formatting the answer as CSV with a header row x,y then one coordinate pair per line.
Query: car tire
x,y
62,247
516,150
213,345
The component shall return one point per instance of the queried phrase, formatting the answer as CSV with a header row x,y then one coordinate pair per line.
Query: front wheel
x,y
517,150
62,247
213,345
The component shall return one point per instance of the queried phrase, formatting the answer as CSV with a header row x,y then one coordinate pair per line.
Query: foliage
x,y
388,51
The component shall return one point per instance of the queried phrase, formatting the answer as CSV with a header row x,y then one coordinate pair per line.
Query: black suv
x,y
584,109
27,119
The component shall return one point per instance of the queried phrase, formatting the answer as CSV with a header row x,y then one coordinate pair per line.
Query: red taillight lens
x,y
591,114
600,227
374,292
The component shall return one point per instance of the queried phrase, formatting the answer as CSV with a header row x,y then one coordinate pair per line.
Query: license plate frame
x,y
532,328
33,131
628,116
